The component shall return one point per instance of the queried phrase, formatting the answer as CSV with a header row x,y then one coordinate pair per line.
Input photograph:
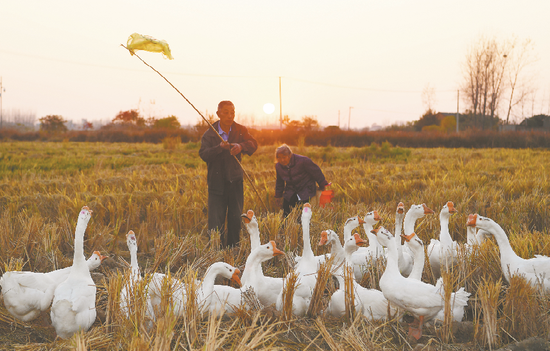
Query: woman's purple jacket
x,y
298,177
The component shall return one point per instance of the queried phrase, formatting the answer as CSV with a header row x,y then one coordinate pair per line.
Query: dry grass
x,y
349,294
161,194
488,295
289,288
318,302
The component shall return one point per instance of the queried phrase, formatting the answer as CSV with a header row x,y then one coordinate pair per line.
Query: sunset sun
x,y
269,108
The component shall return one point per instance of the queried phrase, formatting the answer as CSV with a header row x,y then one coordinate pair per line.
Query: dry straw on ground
x,y
160,193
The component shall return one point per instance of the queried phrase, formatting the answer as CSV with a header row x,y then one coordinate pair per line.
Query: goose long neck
x,y
340,279
399,247
347,232
348,251
252,268
392,264
506,251
398,226
307,252
336,249
134,261
373,241
409,223
418,263
444,235
207,285
471,235
254,238
79,261
367,227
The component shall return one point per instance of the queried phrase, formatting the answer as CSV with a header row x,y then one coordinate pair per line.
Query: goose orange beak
x,y
400,207
324,238
409,237
248,216
376,216
451,207
427,210
358,240
361,220
472,218
276,251
101,257
235,276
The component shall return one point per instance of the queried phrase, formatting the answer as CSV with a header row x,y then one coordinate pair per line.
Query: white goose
x,y
414,213
73,306
176,288
266,288
536,270
27,294
374,250
417,248
337,304
320,259
306,269
474,236
405,258
358,260
209,297
128,294
329,237
370,302
443,252
459,299
350,225
421,299
219,298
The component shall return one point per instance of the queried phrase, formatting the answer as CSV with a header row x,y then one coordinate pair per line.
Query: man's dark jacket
x,y
221,165
298,177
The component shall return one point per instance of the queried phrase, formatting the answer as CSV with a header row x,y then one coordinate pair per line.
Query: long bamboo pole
x,y
209,124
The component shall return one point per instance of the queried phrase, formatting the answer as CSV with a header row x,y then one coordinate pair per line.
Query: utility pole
x,y
349,117
457,101
280,105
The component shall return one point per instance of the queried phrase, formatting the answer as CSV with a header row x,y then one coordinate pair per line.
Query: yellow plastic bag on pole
x,y
144,42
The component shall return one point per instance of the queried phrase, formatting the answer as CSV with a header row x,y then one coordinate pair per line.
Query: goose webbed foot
x,y
415,328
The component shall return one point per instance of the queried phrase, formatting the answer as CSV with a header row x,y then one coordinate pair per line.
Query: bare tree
x,y
484,72
493,69
428,97
18,118
520,86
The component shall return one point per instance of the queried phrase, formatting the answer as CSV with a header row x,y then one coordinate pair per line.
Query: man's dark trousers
x,y
229,203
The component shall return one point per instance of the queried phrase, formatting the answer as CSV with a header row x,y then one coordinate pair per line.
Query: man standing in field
x,y
225,175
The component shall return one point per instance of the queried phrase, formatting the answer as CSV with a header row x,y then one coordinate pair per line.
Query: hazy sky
x,y
64,57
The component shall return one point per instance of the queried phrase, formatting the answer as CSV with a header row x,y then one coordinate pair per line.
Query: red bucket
x,y
326,197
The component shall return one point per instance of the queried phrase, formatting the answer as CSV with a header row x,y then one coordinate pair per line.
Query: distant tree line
x,y
304,132
433,129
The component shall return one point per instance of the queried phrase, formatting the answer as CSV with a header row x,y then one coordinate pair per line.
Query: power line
x,y
366,89
223,75
125,68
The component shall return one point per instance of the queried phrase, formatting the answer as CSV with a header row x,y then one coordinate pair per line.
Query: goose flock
x,y
70,293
